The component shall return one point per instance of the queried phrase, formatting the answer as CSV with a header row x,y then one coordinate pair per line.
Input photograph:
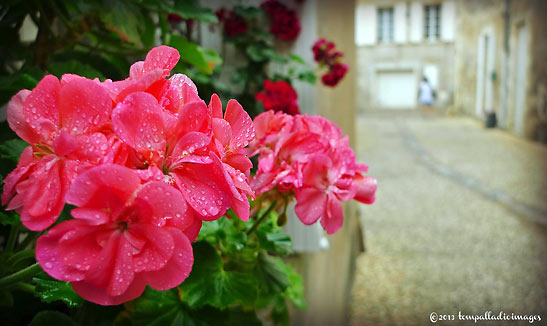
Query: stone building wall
x,y
502,21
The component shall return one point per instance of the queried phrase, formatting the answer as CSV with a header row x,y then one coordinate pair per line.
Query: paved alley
x,y
460,222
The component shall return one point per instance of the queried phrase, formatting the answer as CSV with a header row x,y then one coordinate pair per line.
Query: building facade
x,y
501,63
481,57
399,43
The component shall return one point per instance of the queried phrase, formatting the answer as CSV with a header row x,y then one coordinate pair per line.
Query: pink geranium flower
x,y
308,156
67,125
232,133
124,235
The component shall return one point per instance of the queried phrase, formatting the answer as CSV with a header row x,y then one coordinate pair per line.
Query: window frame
x,y
382,36
432,22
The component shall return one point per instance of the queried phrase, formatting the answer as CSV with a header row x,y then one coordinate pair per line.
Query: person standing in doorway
x,y
426,95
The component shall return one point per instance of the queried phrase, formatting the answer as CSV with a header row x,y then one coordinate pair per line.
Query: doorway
x,y
521,65
485,73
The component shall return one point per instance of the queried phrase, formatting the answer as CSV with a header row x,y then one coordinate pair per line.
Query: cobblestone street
x,y
460,222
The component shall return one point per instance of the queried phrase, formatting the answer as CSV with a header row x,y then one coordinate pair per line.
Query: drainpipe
x,y
504,112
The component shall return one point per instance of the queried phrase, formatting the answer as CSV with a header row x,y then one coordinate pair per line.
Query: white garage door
x,y
396,89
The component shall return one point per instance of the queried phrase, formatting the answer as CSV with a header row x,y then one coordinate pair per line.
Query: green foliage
x,y
50,290
49,317
210,284
165,308
195,55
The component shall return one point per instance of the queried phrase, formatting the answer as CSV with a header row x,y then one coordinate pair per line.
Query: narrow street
x,y
460,222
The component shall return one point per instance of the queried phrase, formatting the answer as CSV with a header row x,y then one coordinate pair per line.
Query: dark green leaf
x,y
271,275
53,290
12,149
259,53
125,18
280,312
158,308
48,318
210,284
9,218
74,67
248,12
190,9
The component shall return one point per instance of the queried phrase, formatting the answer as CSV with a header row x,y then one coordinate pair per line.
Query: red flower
x,y
175,18
335,74
324,53
221,14
234,24
284,21
279,96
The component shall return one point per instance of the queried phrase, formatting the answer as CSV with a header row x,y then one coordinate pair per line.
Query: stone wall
x,y
502,19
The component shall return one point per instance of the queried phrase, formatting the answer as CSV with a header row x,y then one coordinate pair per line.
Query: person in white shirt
x,y
426,95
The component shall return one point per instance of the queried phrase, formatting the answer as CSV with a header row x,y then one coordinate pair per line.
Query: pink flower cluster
x,y
284,22
279,96
307,155
144,160
325,54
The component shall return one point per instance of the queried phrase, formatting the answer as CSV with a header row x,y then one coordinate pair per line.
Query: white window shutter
x,y
400,22
416,22
448,21
365,24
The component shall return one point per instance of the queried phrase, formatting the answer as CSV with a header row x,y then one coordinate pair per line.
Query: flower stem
x,y
12,239
20,275
15,258
262,218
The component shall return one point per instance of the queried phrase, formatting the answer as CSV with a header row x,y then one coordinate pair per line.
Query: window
x,y
385,25
432,30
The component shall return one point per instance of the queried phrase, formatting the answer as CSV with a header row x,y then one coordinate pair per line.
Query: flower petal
x,y
47,252
105,187
243,130
310,204
161,57
16,118
40,108
84,106
138,121
178,267
333,218
366,189
157,203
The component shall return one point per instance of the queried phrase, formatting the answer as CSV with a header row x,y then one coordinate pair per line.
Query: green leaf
x,y
12,149
158,308
248,12
307,76
49,317
125,19
271,275
148,35
190,9
74,67
52,290
193,54
295,292
280,312
259,53
9,218
297,58
210,284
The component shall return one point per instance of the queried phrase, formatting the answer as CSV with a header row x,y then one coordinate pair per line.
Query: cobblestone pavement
x,y
460,222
